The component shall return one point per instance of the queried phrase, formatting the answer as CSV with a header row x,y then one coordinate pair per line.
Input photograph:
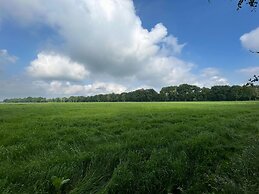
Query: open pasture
x,y
198,147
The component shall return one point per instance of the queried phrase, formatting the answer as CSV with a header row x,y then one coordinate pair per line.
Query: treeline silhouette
x,y
184,92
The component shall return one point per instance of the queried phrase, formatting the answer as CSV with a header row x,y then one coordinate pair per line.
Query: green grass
x,y
203,147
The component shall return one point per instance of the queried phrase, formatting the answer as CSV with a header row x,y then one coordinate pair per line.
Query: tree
x,y
236,92
168,93
254,51
252,80
187,92
220,93
251,3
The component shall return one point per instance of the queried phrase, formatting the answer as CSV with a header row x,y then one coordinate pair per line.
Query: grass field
x,y
203,147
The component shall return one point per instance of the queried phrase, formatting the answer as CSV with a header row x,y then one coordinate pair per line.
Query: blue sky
x,y
86,47
212,30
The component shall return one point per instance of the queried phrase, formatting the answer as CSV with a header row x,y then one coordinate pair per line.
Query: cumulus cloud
x,y
68,88
6,58
162,71
106,36
211,76
171,45
250,40
54,66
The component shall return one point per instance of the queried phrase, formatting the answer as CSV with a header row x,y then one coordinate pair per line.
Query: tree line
x,y
183,92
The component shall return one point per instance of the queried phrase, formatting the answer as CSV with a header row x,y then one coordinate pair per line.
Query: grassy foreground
x,y
208,147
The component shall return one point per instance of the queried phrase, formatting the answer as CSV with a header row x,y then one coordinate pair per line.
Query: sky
x,y
86,47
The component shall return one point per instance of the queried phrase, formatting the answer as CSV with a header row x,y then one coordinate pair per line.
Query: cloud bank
x,y
67,88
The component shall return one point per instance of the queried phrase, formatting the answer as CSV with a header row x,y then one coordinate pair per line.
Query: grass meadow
x,y
179,147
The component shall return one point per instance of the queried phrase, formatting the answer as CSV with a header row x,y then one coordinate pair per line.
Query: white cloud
x,y
171,45
164,70
250,71
68,88
105,35
210,71
6,58
20,86
250,40
211,76
100,87
54,66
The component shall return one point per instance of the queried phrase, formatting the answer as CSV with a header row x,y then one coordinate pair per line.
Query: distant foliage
x,y
253,80
251,3
28,99
182,92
